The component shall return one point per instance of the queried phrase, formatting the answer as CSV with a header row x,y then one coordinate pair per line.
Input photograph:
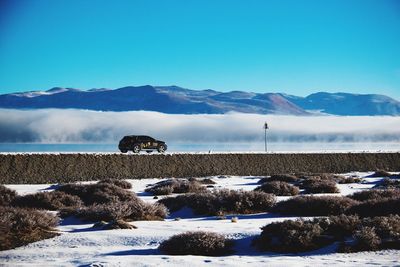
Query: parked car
x,y
136,143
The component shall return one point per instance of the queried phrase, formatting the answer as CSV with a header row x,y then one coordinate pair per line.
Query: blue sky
x,y
296,47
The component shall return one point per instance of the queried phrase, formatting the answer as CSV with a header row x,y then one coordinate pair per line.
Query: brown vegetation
x,y
120,183
291,236
279,188
340,226
315,186
314,206
289,178
109,202
375,194
118,224
19,226
300,235
170,186
388,183
323,176
197,243
376,207
54,200
6,195
98,193
206,181
132,210
223,201
351,180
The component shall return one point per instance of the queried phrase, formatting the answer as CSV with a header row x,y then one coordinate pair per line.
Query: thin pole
x,y
265,139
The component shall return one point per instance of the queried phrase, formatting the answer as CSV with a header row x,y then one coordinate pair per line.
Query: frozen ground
x,y
80,245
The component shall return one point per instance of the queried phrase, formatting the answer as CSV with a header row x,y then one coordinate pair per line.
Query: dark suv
x,y
136,143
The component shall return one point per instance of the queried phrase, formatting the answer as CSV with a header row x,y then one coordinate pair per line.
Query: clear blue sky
x,y
296,47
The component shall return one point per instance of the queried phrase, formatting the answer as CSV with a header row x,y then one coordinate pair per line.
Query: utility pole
x,y
265,139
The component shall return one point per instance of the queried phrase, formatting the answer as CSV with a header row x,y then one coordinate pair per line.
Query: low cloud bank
x,y
69,126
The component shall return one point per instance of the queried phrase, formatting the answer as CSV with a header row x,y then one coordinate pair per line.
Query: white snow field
x,y
81,245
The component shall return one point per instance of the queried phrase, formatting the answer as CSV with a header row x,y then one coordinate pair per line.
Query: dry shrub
x,y
340,226
279,188
207,181
108,202
128,210
291,236
360,234
314,206
54,200
289,178
315,186
350,180
375,194
387,227
19,226
366,239
118,224
120,183
323,176
197,243
375,233
6,195
170,186
98,193
223,201
388,183
333,177
376,207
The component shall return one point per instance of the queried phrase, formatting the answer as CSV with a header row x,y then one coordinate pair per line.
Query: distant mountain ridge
x,y
178,100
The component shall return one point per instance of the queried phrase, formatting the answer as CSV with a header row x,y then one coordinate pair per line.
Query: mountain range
x,y
178,100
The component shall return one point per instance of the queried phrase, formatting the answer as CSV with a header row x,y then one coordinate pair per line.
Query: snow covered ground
x,y
81,245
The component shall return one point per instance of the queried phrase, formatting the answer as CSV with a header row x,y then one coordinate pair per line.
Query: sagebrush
x,y
99,193
315,186
279,188
120,183
197,243
291,236
19,226
170,186
289,178
353,233
315,205
133,210
224,201
53,200
7,195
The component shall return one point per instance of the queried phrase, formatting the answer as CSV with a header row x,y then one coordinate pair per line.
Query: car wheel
x,y
124,151
161,148
136,149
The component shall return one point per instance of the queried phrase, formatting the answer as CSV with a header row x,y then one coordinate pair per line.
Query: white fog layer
x,y
56,125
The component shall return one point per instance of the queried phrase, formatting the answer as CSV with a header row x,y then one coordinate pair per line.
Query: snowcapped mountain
x,y
177,100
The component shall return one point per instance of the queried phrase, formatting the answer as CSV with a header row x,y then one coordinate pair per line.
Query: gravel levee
x,y
62,168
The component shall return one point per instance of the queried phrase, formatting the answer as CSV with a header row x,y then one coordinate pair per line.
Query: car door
x,y
145,142
153,143
150,142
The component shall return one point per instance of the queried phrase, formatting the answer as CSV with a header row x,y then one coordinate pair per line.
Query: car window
x,y
142,138
145,138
